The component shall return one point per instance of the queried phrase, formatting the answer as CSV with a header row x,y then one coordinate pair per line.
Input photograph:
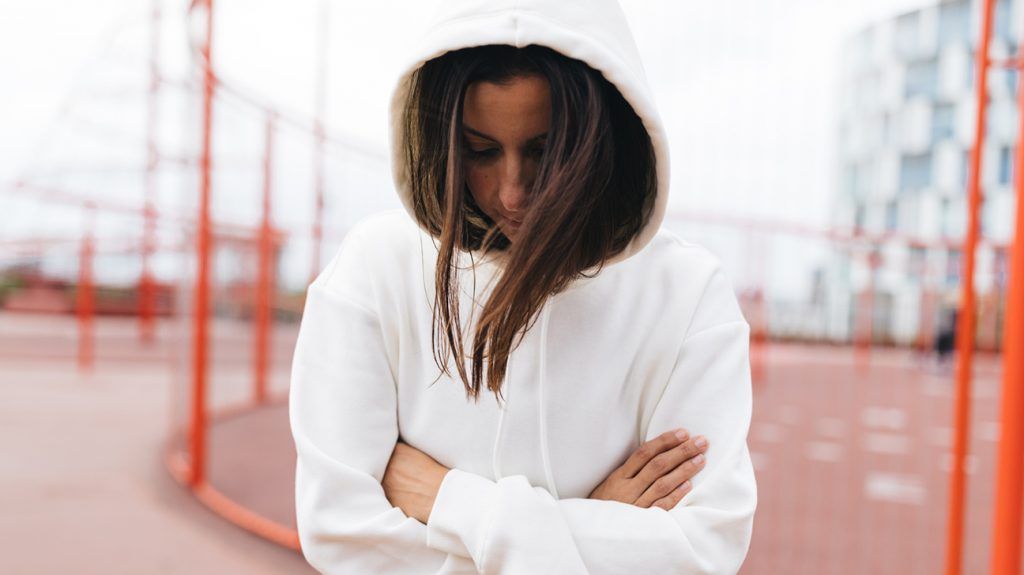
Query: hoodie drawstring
x,y
495,463
541,407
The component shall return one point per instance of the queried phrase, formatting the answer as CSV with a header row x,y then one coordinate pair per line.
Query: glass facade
x,y
915,172
943,122
1006,165
954,23
922,79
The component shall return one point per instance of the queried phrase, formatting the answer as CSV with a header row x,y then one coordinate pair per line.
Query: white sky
x,y
747,89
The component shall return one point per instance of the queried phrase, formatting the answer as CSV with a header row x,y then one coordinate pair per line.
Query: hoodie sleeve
x,y
509,526
342,408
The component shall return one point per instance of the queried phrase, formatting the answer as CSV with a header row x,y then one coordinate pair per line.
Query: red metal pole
x,y
866,318
146,284
965,319
758,315
85,299
996,291
319,138
1006,538
759,336
197,427
925,313
264,284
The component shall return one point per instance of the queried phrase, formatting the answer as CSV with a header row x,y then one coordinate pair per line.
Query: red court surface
x,y
851,464
83,485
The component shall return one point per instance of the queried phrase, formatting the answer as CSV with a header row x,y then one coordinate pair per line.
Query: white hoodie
x,y
655,342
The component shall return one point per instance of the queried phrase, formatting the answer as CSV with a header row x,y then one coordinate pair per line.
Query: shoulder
x,y
383,232
671,251
676,262
695,277
374,248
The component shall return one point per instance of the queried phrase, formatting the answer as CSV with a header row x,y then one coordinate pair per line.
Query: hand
x,y
657,474
411,481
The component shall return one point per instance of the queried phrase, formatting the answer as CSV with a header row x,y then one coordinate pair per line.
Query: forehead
x,y
516,109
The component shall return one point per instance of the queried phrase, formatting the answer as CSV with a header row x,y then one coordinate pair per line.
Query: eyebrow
x,y
493,139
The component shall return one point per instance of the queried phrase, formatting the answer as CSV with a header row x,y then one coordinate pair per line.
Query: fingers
x,y
652,448
673,498
669,460
670,487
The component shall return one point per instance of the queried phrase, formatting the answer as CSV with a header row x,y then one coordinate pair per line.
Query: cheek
x,y
480,185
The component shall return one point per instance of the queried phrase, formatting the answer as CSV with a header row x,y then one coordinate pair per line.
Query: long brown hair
x,y
594,190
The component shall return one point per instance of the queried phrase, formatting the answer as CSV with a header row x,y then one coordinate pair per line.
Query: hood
x,y
594,31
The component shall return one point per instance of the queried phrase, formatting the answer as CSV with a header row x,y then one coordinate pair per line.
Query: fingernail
x,y
682,434
699,458
700,442
685,485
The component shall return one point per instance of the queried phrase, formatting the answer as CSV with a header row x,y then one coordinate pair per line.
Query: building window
x,y
965,171
943,122
954,23
922,79
892,215
1002,269
1005,165
944,217
915,171
1011,73
852,180
1001,20
953,267
907,35
917,264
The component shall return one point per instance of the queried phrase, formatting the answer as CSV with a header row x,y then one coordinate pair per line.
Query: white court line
x,y
985,388
831,427
895,488
943,386
893,418
987,431
940,436
970,463
983,431
888,443
825,451
789,414
767,432
937,387
759,460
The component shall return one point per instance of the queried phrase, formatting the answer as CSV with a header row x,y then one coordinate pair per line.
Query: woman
x,y
533,171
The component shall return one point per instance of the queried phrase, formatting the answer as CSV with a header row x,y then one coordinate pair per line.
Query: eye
x,y
536,151
481,154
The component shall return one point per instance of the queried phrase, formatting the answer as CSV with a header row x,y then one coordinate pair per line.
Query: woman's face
x,y
505,128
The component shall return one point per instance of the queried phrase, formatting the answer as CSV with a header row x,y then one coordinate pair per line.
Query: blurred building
x,y
906,128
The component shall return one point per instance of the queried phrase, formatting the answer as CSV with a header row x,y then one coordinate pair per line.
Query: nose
x,y
515,182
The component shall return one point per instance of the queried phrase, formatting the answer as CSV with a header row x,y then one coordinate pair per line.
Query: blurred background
x,y
821,149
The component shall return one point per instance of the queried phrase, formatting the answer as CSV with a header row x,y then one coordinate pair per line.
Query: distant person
x,y
528,264
945,341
